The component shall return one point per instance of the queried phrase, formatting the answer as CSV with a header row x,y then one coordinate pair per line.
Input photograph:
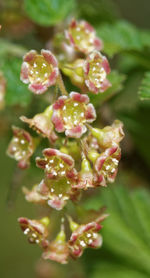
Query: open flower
x,y
59,191
2,91
57,249
106,165
81,35
84,236
71,113
42,124
53,192
39,70
96,68
56,164
109,135
21,147
36,230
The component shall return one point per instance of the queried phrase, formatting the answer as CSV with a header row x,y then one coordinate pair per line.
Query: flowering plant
x,y
78,156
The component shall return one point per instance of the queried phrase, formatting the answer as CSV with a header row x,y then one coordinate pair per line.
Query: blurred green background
x,y
126,249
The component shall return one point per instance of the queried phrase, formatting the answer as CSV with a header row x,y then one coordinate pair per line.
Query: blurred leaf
x,y
116,80
126,231
107,270
121,36
48,12
16,91
144,90
137,123
97,11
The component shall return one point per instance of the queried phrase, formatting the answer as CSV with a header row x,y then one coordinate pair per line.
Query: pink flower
x,y
56,164
57,249
84,236
52,192
21,147
71,113
59,190
36,230
106,165
42,124
96,68
81,35
40,70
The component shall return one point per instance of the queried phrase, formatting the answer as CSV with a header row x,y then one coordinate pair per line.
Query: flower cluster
x,y
60,249
79,156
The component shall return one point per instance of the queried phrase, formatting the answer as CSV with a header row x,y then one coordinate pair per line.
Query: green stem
x,y
61,85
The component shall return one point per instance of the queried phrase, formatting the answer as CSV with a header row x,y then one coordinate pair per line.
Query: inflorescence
x,y
79,156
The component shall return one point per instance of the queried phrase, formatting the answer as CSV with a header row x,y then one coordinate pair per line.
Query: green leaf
x,y
16,92
125,233
48,12
144,90
116,80
120,36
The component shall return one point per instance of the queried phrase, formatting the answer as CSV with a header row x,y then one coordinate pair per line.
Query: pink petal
x,y
53,77
112,177
73,23
105,85
111,150
56,203
90,113
23,164
97,242
41,162
101,180
58,122
49,57
105,65
59,103
98,44
92,88
37,88
86,67
50,152
80,98
24,73
88,26
29,56
67,159
99,162
76,132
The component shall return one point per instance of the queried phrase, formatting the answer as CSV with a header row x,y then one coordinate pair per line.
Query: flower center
x,y
110,166
60,187
39,70
73,113
82,38
20,147
97,73
56,166
87,238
